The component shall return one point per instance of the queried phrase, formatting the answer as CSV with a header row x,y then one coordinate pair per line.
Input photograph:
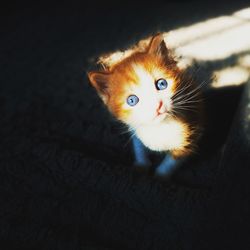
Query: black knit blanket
x,y
66,175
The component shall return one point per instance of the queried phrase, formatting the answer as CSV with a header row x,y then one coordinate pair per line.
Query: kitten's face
x,y
138,90
144,94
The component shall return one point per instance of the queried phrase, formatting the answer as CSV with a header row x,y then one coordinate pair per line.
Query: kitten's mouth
x,y
161,113
161,116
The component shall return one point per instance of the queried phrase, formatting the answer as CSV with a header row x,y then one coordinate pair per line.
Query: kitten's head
x,y
138,89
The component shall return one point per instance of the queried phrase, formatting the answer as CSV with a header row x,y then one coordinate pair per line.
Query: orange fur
x,y
151,60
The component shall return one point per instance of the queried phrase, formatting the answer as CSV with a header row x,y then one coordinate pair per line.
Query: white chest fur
x,y
167,135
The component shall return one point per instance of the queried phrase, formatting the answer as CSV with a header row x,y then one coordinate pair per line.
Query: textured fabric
x,y
66,174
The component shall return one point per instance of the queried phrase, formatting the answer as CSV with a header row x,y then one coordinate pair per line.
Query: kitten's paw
x,y
166,168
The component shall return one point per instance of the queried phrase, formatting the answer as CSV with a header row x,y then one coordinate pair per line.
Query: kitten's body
x,y
167,119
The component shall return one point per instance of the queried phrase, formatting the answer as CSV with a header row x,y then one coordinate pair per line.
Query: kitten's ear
x,y
157,45
99,80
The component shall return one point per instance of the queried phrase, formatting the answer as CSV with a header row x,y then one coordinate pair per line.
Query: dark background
x,y
66,174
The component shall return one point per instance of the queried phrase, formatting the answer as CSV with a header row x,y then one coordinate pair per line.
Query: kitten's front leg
x,y
140,153
167,166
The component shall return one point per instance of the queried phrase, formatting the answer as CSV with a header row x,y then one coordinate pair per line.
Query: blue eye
x,y
161,84
132,100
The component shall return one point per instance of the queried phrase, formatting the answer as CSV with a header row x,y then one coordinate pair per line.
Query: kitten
x,y
145,89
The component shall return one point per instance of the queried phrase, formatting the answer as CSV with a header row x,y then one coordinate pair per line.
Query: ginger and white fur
x,y
159,120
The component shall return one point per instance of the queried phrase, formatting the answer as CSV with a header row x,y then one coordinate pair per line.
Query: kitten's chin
x,y
157,119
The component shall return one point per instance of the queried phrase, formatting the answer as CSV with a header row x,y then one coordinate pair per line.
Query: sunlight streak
x,y
213,39
223,40
219,40
230,76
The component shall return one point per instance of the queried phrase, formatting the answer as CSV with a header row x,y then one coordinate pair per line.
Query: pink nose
x,y
161,109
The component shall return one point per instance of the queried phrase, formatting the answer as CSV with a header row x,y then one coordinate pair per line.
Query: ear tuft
x,y
157,45
99,80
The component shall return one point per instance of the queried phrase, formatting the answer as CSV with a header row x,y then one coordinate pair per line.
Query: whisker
x,y
178,92
177,97
127,130
189,99
185,105
188,96
130,138
172,114
186,108
175,113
